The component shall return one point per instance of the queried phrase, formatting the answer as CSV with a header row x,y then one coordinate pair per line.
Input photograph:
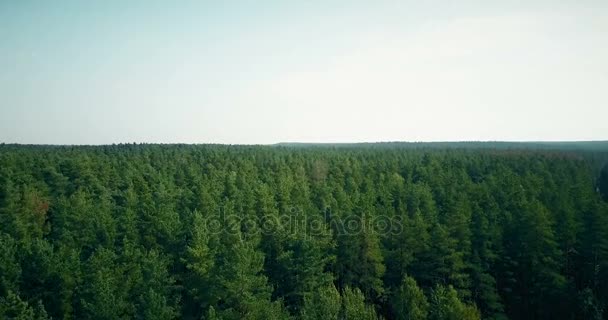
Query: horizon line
x,y
308,143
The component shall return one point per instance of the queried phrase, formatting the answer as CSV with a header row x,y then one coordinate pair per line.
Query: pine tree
x,y
199,260
441,263
445,305
241,290
14,308
360,257
105,293
325,304
602,182
408,302
354,306
156,300
408,240
485,243
594,252
10,268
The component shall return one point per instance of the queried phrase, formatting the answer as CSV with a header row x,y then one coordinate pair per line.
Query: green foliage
x,y
361,261
354,306
409,302
105,291
13,308
602,182
323,304
10,269
590,306
445,305
420,231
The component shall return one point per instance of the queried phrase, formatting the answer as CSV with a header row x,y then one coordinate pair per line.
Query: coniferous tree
x,y
256,232
10,268
408,302
14,308
241,290
445,305
323,304
354,306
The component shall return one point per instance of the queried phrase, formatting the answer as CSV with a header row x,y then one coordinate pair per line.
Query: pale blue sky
x,y
100,72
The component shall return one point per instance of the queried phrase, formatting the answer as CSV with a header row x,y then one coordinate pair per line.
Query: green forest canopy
x,y
305,231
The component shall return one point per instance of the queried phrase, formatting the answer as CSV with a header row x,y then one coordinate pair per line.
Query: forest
x,y
379,231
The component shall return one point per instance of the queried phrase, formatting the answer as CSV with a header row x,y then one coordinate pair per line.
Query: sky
x,y
261,72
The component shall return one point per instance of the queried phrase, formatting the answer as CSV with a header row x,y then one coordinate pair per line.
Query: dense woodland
x,y
307,232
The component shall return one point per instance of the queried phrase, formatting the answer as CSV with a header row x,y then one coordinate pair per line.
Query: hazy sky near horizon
x,y
101,72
